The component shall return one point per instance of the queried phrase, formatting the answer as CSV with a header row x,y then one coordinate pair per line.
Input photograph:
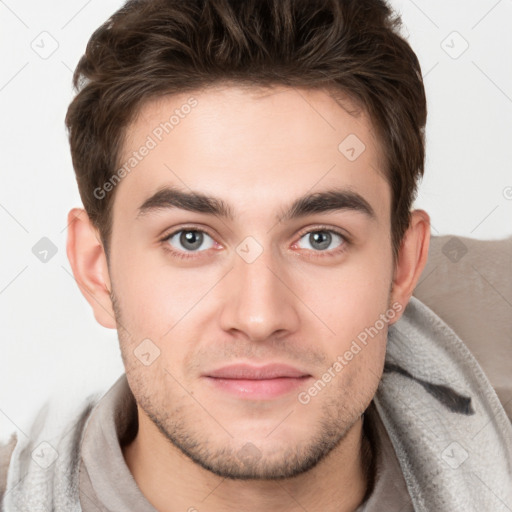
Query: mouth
x,y
257,382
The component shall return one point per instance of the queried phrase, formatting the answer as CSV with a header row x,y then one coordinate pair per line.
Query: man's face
x,y
257,288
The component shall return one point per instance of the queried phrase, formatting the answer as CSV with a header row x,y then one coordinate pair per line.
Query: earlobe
x,y
89,265
412,259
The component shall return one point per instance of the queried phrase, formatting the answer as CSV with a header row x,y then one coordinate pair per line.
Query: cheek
x,y
156,294
352,297
355,366
164,304
354,304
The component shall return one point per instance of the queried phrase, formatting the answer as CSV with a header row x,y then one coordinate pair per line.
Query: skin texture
x,y
295,304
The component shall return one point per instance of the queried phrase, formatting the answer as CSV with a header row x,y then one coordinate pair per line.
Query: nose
x,y
259,299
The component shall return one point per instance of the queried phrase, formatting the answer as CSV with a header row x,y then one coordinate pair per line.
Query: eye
x,y
183,243
320,240
188,240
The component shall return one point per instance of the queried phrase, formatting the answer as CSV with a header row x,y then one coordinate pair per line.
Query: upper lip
x,y
247,371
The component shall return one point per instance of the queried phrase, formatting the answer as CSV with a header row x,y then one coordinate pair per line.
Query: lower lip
x,y
258,389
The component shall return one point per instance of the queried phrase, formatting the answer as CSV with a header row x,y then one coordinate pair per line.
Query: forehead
x,y
251,146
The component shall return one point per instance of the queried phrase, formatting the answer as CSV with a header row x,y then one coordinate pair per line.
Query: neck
x,y
172,482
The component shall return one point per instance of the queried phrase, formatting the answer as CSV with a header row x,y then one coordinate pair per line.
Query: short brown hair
x,y
150,48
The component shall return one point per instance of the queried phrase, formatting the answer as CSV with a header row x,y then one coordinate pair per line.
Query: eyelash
x,y
319,254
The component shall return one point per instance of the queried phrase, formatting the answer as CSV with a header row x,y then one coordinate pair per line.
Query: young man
x,y
247,171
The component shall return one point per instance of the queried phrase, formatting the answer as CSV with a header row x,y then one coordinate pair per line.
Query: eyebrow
x,y
337,199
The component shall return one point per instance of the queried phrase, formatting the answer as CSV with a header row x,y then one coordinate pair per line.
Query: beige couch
x,y
468,283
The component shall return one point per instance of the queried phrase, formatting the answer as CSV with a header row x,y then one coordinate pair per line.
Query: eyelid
x,y
321,227
173,231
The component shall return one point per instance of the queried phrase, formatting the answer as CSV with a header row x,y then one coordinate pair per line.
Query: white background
x,y
51,344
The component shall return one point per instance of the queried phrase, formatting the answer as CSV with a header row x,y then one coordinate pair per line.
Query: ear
x,y
89,264
411,260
